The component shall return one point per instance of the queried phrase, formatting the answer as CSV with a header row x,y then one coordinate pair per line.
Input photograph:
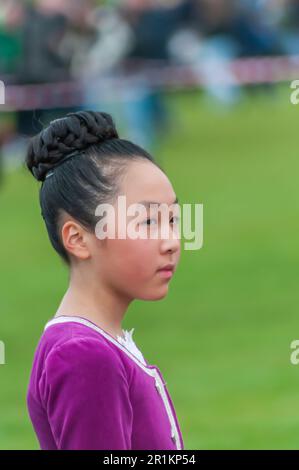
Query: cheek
x,y
131,266
135,259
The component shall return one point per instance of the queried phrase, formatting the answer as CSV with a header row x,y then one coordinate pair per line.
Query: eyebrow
x,y
147,203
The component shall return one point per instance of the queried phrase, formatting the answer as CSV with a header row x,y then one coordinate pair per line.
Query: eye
x,y
148,221
175,220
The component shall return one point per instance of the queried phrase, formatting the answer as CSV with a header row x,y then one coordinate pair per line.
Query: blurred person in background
x,y
45,25
287,19
107,42
219,32
152,24
100,56
208,47
127,38
11,16
242,22
50,33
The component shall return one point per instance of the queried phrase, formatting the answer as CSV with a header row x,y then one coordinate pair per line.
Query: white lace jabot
x,y
129,343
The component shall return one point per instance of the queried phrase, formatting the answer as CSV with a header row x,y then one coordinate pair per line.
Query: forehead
x,y
144,181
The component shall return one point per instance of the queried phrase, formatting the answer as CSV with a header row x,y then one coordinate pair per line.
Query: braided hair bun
x,y
75,131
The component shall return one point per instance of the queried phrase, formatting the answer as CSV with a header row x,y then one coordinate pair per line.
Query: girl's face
x,y
130,265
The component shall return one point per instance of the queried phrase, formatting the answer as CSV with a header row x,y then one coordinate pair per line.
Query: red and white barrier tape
x,y
72,94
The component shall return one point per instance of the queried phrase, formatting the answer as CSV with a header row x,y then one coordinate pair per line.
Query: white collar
x,y
129,343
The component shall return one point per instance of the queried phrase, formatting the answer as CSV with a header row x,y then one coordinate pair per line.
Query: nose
x,y
170,245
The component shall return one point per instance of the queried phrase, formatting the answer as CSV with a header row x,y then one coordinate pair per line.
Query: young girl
x,y
90,386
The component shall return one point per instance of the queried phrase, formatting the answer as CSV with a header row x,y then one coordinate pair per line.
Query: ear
x,y
74,239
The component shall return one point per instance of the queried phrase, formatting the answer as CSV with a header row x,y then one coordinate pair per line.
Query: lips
x,y
167,267
166,272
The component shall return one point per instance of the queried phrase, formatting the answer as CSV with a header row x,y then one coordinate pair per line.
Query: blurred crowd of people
x,y
52,40
60,40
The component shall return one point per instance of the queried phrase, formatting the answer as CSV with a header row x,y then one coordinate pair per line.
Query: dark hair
x,y
79,159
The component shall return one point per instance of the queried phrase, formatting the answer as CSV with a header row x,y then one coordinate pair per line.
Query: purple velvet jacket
x,y
88,391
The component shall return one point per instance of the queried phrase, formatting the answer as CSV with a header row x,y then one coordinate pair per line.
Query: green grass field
x,y
222,336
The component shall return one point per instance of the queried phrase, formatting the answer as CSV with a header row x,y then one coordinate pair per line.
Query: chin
x,y
156,295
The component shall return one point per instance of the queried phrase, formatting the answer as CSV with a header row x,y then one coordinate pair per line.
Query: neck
x,y
95,301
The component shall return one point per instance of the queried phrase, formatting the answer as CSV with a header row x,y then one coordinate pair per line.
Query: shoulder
x,y
83,352
74,342
83,367
71,347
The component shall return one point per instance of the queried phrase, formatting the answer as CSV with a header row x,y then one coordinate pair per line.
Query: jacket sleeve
x,y
85,391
